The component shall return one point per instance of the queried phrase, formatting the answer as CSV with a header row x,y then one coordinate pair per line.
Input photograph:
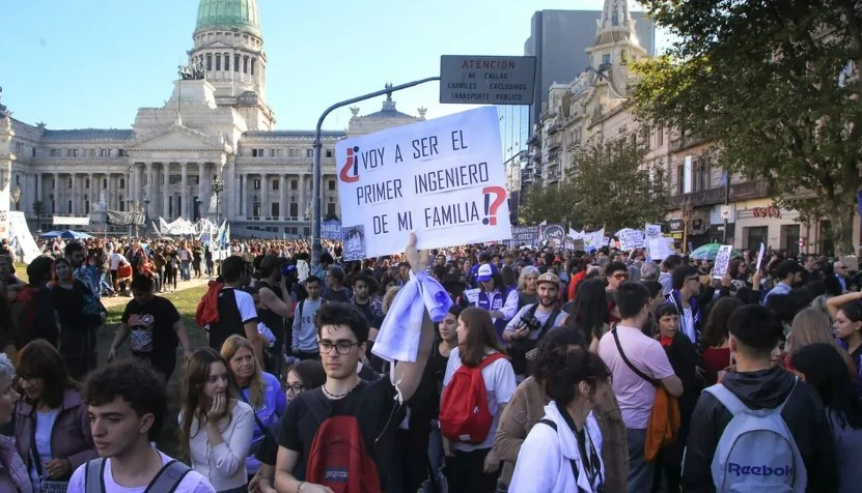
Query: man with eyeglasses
x,y
343,333
686,289
616,273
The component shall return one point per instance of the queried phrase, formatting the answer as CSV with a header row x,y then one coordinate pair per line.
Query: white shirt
x,y
224,464
500,385
44,426
686,324
191,483
544,461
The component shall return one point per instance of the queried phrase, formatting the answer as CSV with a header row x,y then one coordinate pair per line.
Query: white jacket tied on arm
x,y
544,462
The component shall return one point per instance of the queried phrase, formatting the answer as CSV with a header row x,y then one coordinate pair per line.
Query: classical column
x,y
184,193
90,195
265,197
202,188
150,192
56,202
166,191
301,211
243,187
282,195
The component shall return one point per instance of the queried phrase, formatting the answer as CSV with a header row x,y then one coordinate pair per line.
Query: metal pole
x,y
316,246
726,203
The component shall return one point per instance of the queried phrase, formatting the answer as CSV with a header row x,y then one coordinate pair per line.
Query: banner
x,y
122,218
21,238
442,179
554,234
652,231
331,230
630,239
525,235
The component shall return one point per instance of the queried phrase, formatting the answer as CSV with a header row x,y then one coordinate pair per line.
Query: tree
x,y
545,204
38,208
611,188
768,83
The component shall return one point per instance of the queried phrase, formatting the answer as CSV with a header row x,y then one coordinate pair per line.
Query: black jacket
x,y
764,389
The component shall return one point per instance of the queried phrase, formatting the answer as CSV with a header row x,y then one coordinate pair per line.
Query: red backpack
x,y
464,413
338,458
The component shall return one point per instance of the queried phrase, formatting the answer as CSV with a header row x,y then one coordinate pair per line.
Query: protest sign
x,y
331,230
722,261
760,255
652,231
554,234
630,239
660,248
472,295
525,235
21,238
441,178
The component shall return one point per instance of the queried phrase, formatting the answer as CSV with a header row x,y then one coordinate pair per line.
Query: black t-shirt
x,y
343,295
267,453
372,403
151,329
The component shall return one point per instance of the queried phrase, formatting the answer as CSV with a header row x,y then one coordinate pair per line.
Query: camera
x,y
530,321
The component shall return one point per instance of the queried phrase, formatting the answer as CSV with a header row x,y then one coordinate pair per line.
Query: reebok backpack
x,y
338,458
464,413
756,451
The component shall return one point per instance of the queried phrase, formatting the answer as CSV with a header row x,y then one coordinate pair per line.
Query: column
x,y
202,174
90,193
184,193
56,205
166,191
243,187
282,197
301,198
150,191
266,198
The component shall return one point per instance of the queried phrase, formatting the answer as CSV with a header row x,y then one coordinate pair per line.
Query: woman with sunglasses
x,y
301,377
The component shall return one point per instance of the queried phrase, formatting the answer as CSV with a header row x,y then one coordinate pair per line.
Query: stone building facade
x,y
217,123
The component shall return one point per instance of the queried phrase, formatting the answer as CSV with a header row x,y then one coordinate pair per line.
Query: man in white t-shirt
x,y
127,406
635,394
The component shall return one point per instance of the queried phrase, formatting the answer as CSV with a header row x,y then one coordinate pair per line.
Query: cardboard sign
x,y
660,248
630,239
760,256
472,295
652,231
443,179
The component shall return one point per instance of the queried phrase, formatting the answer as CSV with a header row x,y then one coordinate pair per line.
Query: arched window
x,y
209,62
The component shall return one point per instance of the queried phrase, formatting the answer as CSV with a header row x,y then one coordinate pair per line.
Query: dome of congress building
x,y
239,15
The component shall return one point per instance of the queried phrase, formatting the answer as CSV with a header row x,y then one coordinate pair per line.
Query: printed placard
x,y
441,178
760,254
722,261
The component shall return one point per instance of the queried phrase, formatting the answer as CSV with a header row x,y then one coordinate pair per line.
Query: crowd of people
x,y
468,369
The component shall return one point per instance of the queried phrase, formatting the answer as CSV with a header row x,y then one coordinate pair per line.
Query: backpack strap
x,y
572,463
487,360
301,306
94,479
168,478
652,381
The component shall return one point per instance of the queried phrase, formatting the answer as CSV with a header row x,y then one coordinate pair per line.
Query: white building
x,y
216,123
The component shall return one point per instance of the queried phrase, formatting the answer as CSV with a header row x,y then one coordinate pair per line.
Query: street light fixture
x,y
217,188
16,196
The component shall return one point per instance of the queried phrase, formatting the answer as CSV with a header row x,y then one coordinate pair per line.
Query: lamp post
x,y
146,211
217,188
16,196
131,215
685,207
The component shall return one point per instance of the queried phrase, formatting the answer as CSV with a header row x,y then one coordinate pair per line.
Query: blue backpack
x,y
756,451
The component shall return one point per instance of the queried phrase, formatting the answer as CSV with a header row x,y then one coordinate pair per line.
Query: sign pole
x,y
316,246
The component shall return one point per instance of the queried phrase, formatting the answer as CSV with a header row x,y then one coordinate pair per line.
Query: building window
x,y
70,183
218,61
122,183
274,209
253,63
92,153
245,65
330,184
197,179
294,185
330,210
53,152
86,183
606,59
236,63
309,153
680,179
255,210
294,210
703,176
209,62
227,62
69,210
755,236
660,134
329,153
257,184
272,152
275,184
105,183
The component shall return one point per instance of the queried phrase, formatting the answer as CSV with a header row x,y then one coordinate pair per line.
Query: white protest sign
x,y
722,261
652,231
20,234
760,256
659,248
472,295
441,178
630,239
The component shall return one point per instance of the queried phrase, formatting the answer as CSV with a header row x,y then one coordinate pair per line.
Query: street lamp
x,y
686,208
217,188
16,196
146,212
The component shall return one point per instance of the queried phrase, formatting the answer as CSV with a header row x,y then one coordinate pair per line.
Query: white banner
x,y
630,239
71,221
722,261
660,248
19,233
652,231
441,178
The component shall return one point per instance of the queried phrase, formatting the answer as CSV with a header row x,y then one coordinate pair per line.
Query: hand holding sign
x,y
417,259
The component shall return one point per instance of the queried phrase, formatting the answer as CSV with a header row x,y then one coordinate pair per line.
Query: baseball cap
x,y
485,273
548,277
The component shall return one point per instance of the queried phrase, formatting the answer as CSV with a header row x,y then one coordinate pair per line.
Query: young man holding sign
x,y
365,411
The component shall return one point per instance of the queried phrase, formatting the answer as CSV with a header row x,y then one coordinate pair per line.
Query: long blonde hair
x,y
257,385
811,326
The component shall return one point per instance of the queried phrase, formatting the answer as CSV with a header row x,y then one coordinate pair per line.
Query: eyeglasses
x,y
29,379
297,388
341,347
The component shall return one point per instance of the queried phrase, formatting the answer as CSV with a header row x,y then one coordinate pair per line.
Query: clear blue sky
x,y
93,63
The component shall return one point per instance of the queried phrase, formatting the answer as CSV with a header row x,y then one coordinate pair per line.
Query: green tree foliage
x,y
767,82
611,188
543,204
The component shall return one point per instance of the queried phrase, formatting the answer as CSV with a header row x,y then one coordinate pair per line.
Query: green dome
x,y
241,15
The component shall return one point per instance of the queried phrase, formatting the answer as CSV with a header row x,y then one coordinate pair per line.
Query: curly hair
x,y
136,383
550,348
561,367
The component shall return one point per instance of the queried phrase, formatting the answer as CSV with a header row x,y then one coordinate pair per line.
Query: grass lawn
x,y
186,302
